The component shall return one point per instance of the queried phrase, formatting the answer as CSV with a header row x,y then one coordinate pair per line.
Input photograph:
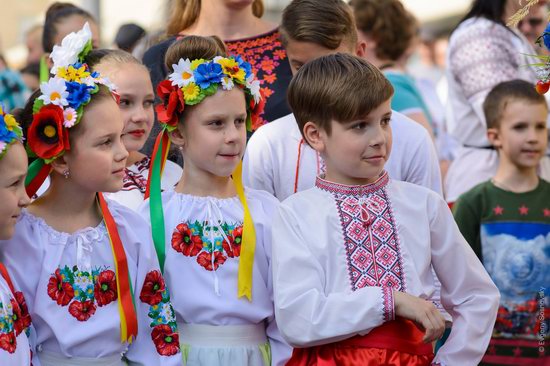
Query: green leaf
x,y
87,48
38,103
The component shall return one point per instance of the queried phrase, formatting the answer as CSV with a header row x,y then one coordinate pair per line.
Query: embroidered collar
x,y
359,190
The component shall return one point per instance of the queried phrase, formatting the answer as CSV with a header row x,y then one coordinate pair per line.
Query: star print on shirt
x,y
498,210
523,210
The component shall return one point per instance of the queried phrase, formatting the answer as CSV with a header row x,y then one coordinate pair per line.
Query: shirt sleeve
x,y
423,168
258,164
468,220
306,314
467,291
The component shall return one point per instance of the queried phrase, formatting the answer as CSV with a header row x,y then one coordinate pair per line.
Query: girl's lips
x,y
137,133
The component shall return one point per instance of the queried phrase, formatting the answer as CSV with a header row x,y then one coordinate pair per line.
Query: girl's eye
x,y
385,121
148,103
240,121
16,183
124,103
107,142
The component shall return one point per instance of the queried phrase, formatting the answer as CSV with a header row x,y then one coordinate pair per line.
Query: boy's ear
x,y
361,48
60,165
493,135
313,136
177,137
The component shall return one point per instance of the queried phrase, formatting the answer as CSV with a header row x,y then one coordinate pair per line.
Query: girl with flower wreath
x,y
78,257
15,320
213,237
135,89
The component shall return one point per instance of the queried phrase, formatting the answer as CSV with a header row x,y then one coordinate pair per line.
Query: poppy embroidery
x,y
161,313
212,244
82,291
14,319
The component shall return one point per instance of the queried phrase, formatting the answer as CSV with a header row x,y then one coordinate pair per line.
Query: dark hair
x,y
55,14
103,55
33,69
504,93
338,87
490,9
128,36
327,23
388,23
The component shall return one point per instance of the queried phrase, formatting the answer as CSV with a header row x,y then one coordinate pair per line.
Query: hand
x,y
422,312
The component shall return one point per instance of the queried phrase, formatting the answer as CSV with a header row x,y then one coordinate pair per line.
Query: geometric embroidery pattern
x,y
370,234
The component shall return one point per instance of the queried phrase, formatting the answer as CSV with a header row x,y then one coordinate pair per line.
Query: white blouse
x,y
15,327
70,286
341,250
135,182
203,237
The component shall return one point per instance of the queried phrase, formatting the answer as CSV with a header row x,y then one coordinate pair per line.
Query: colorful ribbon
x,y
126,306
37,174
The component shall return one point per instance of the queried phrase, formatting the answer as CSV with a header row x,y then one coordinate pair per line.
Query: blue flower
x,y
5,134
546,36
208,73
79,94
244,65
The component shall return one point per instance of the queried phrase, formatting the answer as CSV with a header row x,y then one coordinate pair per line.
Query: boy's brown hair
x,y
388,23
504,93
327,23
338,87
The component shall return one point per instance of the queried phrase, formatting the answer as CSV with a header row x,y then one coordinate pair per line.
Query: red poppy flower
x,y
205,260
60,291
46,136
8,342
166,341
21,317
82,311
172,105
234,250
105,290
153,286
185,242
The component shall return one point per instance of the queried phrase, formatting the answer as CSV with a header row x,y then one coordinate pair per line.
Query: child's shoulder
x,y
263,199
279,130
124,215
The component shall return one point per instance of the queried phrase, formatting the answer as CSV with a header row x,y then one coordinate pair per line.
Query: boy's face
x,y
299,53
522,137
355,152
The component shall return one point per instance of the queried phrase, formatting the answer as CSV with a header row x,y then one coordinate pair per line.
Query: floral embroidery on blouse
x,y
162,315
212,244
14,319
265,54
82,290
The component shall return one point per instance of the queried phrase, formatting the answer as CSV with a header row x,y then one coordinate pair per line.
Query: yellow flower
x,y
72,74
231,68
191,92
10,122
1,110
196,63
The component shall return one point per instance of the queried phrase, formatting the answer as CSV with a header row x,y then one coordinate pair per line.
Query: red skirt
x,y
395,343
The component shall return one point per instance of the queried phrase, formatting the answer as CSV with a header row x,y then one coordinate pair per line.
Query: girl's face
x,y
214,133
12,188
97,157
136,103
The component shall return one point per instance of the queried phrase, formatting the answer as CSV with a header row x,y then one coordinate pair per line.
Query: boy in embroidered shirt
x,y
365,269
506,220
278,160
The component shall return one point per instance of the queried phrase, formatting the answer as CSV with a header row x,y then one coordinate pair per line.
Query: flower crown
x,y
64,96
192,81
10,131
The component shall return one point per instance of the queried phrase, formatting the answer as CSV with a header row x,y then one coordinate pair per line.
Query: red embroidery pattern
x,y
264,55
136,180
370,237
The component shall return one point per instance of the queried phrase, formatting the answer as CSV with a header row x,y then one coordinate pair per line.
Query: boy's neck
x,y
66,207
203,184
516,180
134,157
229,24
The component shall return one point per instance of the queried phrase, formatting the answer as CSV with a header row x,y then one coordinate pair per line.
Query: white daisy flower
x,y
70,116
183,74
254,86
227,83
54,91
71,46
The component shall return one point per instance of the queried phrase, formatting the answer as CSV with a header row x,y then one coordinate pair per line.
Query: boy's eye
x,y
107,142
359,126
216,123
385,121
